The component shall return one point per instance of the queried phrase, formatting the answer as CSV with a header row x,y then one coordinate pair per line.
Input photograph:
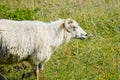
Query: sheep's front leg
x,y
37,72
41,67
38,69
34,70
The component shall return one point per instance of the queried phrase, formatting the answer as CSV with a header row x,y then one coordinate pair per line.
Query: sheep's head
x,y
74,29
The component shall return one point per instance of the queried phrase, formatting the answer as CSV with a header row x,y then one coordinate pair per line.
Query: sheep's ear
x,y
68,24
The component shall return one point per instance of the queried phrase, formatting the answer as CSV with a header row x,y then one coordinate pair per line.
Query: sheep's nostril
x,y
86,35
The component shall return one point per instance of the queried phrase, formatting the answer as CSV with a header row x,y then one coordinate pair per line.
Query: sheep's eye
x,y
74,28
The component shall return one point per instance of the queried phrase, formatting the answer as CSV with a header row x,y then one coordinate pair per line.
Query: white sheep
x,y
35,41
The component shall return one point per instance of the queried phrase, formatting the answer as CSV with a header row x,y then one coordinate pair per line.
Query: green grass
x,y
97,58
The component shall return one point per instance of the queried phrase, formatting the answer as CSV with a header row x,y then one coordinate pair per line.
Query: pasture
x,y
97,58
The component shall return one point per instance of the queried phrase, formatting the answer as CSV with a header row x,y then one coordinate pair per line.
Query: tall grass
x,y
97,58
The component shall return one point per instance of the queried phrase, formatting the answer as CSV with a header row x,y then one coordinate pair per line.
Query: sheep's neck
x,y
59,36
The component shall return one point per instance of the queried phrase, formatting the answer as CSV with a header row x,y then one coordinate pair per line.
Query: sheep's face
x,y
76,31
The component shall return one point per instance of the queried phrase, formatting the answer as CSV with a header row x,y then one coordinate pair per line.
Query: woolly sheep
x,y
35,41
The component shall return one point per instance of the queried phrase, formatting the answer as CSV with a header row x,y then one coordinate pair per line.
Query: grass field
x,y
97,58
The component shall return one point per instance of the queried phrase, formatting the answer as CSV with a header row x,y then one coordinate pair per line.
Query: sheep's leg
x,y
37,69
34,70
40,67
37,72
26,75
29,74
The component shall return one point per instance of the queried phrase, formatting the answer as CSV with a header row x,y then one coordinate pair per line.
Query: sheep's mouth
x,y
83,38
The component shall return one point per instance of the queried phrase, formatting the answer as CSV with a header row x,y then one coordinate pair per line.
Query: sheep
x,y
35,41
